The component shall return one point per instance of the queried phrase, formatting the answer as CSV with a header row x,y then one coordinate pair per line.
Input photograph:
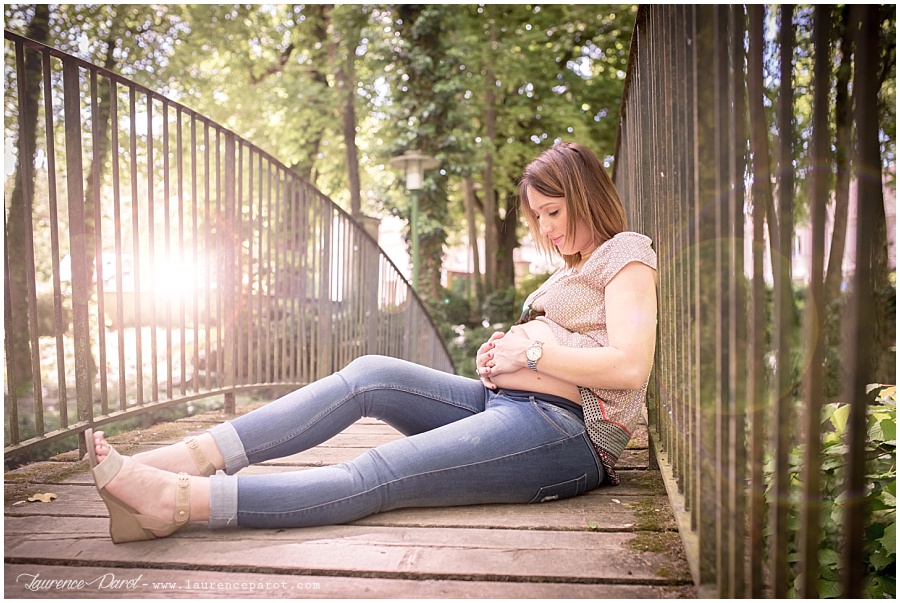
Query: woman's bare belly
x,y
536,381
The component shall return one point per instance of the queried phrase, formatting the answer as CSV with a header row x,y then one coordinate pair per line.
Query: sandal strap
x,y
183,500
204,466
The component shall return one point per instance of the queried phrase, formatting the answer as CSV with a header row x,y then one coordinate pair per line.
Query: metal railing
x,y
723,401
217,269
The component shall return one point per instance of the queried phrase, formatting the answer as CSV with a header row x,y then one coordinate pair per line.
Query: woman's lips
x,y
557,240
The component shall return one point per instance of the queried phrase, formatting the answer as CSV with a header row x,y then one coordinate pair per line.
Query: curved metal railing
x,y
195,265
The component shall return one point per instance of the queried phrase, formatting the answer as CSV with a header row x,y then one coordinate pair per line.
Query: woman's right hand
x,y
484,360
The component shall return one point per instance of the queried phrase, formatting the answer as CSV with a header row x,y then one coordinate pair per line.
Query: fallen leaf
x,y
41,497
617,501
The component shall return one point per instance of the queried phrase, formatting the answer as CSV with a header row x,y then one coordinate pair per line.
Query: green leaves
x,y
881,490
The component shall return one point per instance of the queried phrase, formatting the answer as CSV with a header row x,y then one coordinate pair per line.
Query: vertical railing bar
x,y
77,244
865,21
297,278
117,235
724,150
54,242
318,261
208,246
739,313
182,312
282,202
707,222
667,230
231,247
98,252
136,268
12,383
682,362
182,302
167,188
224,320
783,313
813,389
760,393
26,165
155,283
194,264
252,323
305,316
244,319
271,297
261,293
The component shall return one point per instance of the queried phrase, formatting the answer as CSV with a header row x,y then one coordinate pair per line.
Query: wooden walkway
x,y
615,542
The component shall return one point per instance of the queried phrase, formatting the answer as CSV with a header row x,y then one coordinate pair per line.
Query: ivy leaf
x,y
840,416
880,559
829,557
41,497
829,589
889,540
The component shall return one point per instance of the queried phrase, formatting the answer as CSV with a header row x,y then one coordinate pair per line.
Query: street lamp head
x,y
414,164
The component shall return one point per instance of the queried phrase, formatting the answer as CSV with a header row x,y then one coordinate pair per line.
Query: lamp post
x,y
414,164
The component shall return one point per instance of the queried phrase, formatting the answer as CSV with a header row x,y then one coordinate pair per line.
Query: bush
x,y
880,551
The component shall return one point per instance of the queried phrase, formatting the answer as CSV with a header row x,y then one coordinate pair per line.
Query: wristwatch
x,y
533,354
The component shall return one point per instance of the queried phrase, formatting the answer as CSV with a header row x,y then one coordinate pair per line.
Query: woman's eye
x,y
553,214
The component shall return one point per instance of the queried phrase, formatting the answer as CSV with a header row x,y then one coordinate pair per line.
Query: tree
x,y
18,225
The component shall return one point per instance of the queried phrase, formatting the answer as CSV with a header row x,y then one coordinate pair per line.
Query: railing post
x,y
859,352
229,274
707,312
77,242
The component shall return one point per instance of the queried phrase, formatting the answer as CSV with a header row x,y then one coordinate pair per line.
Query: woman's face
x,y
552,217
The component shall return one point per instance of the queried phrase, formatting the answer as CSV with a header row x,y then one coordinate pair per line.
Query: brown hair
x,y
570,170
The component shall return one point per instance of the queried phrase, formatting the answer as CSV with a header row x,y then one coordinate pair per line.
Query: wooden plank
x,y
106,582
588,512
377,552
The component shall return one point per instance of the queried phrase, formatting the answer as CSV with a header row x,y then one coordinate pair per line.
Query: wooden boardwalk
x,y
615,542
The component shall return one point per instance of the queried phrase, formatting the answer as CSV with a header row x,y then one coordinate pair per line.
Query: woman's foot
x,y
135,480
197,455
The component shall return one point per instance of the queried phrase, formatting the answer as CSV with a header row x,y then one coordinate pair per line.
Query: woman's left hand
x,y
509,352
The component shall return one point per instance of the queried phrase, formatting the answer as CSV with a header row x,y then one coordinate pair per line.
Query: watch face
x,y
533,353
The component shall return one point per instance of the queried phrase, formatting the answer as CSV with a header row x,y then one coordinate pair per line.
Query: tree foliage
x,y
276,75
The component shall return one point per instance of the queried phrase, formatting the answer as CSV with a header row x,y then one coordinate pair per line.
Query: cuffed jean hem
x,y
223,501
229,444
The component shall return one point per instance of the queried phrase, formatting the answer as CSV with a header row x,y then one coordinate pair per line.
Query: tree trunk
x,y
843,116
477,289
345,83
507,241
759,131
21,201
490,204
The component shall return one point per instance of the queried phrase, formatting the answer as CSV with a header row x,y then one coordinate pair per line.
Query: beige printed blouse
x,y
573,304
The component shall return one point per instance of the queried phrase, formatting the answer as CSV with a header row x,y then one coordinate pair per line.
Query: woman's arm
x,y
624,364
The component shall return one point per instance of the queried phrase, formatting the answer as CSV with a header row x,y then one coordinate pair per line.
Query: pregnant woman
x,y
558,397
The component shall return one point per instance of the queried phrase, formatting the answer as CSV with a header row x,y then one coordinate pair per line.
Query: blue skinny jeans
x,y
466,445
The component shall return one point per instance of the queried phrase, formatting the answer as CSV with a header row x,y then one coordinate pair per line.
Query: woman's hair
x,y
570,170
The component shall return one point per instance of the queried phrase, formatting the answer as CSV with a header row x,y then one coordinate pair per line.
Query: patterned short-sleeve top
x,y
573,304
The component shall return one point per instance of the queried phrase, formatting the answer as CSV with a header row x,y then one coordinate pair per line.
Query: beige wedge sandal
x,y
126,524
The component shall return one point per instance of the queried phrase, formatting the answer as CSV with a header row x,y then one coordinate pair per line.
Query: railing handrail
x,y
292,204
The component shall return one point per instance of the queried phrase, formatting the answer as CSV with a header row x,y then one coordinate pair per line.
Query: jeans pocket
x,y
567,489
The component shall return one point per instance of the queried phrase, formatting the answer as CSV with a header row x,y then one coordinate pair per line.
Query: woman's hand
x,y
484,360
502,353
509,353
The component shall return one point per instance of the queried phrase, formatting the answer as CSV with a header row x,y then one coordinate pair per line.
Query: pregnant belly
x,y
536,381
